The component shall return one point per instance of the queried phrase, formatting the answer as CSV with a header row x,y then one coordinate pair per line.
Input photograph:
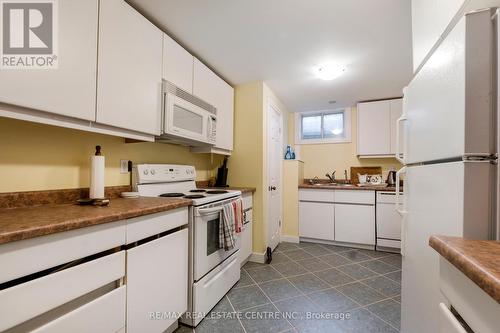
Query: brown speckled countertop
x,y
242,189
29,222
479,260
340,187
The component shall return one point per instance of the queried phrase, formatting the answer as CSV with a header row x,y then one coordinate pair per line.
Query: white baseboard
x,y
289,239
258,257
354,245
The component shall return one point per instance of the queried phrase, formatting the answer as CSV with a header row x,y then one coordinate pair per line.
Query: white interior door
x,y
274,149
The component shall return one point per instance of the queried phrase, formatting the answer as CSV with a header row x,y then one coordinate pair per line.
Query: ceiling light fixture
x,y
329,71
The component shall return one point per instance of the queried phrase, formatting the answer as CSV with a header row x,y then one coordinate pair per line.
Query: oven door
x,y
185,120
207,254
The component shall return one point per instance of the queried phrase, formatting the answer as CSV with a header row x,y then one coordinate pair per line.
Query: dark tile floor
x,y
312,288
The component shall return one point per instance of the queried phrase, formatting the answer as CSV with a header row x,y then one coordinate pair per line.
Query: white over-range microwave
x,y
186,118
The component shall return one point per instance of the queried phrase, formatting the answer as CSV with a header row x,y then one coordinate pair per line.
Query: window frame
x,y
347,127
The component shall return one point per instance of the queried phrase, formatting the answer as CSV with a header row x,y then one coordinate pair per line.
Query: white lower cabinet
x,y
346,216
246,234
157,282
105,314
355,224
316,220
23,302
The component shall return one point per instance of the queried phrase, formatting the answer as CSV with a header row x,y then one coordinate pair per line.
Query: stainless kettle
x,y
391,178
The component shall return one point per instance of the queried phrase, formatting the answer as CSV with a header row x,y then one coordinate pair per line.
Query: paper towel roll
x,y
97,177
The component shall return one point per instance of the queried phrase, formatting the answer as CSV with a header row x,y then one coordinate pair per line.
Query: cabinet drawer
x,y
142,227
319,195
105,314
355,197
386,197
448,323
247,201
29,256
30,299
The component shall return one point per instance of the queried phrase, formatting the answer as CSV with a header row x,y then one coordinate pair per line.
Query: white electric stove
x,y
212,270
175,181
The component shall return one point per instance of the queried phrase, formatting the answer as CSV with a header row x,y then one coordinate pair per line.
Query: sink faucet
x,y
313,181
332,177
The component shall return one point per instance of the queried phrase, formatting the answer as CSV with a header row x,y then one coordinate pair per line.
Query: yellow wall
x,y
322,158
293,175
245,165
41,157
248,164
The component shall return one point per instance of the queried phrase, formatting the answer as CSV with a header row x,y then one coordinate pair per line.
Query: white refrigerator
x,y
448,145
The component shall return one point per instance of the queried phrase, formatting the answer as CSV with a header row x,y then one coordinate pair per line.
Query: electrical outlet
x,y
123,166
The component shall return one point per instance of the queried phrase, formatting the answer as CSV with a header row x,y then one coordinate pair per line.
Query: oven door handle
x,y
205,211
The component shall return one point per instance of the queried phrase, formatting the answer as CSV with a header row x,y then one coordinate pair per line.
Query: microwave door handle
x,y
205,211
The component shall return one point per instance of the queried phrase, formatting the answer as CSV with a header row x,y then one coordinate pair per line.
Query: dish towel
x,y
238,215
226,227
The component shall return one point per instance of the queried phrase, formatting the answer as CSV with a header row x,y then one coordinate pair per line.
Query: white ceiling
x,y
281,41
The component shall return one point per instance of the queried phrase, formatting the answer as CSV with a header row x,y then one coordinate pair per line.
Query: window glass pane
x,y
311,127
212,236
333,125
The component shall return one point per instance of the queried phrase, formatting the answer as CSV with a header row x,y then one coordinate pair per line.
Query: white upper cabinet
x,y
130,69
374,132
396,106
377,127
70,89
212,89
177,64
429,21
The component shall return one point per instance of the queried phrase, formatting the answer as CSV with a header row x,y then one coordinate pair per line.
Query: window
x,y
331,126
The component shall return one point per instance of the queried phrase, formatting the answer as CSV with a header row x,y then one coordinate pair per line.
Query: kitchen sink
x,y
334,184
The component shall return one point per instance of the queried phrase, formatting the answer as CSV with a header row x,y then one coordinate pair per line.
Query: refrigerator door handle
x,y
400,156
401,211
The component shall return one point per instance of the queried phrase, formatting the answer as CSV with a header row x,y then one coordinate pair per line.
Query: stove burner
x,y
172,195
198,191
194,196
217,192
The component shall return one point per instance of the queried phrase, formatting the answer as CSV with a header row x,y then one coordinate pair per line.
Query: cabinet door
x,y
246,242
212,89
396,111
316,220
225,119
355,224
374,132
157,278
177,64
388,222
70,89
130,66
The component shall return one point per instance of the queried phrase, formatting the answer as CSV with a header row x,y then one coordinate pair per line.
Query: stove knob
x,y
153,171
146,172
